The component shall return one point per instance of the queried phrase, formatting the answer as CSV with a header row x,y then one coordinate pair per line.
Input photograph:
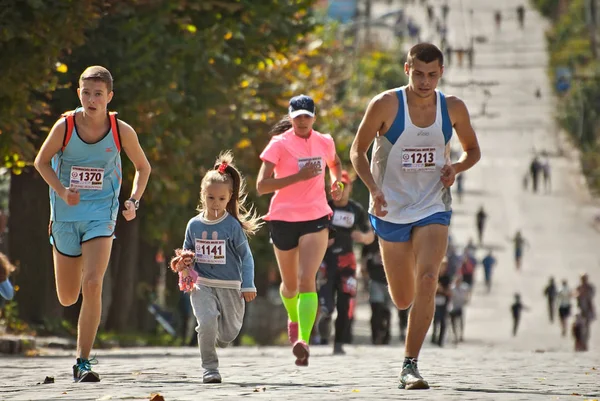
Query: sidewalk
x,y
365,373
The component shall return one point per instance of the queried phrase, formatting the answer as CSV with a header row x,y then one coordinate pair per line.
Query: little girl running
x,y
222,258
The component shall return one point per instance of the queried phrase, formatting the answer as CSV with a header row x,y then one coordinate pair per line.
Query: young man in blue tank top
x,y
409,181
80,160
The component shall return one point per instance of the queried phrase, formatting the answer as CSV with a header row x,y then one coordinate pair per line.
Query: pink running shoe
x,y
301,353
292,332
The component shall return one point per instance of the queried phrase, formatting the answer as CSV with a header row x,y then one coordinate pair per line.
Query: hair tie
x,y
222,167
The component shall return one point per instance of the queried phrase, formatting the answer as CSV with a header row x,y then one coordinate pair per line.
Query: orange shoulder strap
x,y
114,127
70,123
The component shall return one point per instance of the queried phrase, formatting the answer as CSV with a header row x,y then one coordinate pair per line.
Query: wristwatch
x,y
135,202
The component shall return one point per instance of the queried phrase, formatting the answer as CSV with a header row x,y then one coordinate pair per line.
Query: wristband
x,y
340,185
136,203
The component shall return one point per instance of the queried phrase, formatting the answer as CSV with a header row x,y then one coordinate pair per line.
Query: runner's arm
x,y
461,121
367,131
266,184
133,150
51,147
335,169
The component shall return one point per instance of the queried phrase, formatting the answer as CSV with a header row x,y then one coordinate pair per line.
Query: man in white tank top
x,y
409,181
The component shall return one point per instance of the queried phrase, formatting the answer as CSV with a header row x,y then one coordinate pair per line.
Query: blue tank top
x,y
95,166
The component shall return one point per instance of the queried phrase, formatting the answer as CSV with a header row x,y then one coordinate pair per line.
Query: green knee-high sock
x,y
308,303
291,306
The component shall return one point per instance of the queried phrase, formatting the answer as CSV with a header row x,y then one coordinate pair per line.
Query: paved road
x,y
365,373
492,365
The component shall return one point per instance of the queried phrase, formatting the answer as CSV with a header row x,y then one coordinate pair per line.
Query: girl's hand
x,y
309,170
249,296
337,189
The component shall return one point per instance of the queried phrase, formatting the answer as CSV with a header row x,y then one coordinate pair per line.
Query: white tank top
x,y
406,164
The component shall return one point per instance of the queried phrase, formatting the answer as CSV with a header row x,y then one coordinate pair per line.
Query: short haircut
x,y
99,74
425,52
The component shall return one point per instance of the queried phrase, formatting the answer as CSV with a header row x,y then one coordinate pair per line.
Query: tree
x,y
200,57
31,40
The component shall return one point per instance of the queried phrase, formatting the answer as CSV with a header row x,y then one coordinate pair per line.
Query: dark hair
x,y
224,172
425,52
99,74
281,126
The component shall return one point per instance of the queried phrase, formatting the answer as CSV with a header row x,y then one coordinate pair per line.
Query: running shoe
x,y
82,371
211,376
410,379
301,353
292,332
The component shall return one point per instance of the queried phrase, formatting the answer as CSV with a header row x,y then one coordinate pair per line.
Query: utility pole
x,y
592,8
368,5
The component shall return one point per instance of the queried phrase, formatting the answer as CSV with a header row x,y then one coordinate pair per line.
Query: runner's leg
x,y
429,243
95,255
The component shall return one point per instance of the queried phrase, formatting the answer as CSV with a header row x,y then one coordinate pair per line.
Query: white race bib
x,y
440,300
86,178
305,160
210,251
343,219
419,159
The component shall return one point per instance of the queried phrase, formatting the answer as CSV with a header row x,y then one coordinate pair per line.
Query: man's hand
x,y
379,203
447,175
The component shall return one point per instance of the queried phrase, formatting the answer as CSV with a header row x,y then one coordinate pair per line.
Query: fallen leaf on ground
x,y
260,389
156,397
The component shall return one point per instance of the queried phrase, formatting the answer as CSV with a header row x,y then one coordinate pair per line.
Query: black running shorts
x,y
285,235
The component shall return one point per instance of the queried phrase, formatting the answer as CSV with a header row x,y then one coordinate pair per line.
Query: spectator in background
x,y
516,309
488,265
550,294
564,306
6,268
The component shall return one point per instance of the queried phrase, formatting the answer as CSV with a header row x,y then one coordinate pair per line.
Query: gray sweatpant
x,y
220,314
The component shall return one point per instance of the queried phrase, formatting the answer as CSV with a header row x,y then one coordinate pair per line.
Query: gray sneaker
x,y
211,376
410,379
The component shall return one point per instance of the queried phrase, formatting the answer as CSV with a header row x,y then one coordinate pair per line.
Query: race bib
x,y
305,160
210,251
343,219
440,300
419,159
349,285
86,178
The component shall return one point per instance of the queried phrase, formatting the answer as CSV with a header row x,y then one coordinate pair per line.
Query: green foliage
x,y
134,339
33,33
570,46
193,79
548,8
10,319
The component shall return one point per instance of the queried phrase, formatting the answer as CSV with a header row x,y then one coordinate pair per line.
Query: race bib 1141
x,y
419,159
86,178
210,251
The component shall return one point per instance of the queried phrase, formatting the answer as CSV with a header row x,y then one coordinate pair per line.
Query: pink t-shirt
x,y
304,200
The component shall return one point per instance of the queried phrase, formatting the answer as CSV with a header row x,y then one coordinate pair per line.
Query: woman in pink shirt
x,y
294,168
